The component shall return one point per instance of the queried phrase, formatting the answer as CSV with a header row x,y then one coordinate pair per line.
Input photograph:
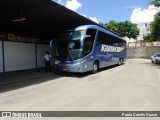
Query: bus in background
x,y
89,48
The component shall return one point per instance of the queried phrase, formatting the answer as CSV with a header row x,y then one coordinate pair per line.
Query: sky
x,y
136,11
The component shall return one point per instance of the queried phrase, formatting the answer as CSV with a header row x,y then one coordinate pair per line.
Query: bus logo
x,y
107,48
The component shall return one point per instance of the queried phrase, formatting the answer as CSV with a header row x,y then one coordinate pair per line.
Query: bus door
x,y
87,49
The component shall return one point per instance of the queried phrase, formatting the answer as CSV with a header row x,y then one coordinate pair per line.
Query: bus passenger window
x,y
115,44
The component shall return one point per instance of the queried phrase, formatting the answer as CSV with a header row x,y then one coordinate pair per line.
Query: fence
x,y
142,44
142,49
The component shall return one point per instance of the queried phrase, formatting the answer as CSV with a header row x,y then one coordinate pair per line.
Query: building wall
x,y
129,40
19,56
22,52
1,65
144,30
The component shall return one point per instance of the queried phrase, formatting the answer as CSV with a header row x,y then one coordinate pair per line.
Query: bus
x,y
89,48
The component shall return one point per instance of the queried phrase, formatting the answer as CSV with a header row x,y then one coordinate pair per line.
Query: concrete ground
x,y
23,75
134,86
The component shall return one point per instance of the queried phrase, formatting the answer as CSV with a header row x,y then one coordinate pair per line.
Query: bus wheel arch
x,y
95,66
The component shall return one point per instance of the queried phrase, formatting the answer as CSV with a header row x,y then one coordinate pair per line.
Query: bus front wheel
x,y
120,61
95,67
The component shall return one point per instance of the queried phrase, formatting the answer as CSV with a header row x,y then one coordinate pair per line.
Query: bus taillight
x,y
65,69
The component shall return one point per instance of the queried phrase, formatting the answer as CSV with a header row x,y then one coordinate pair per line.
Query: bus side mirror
x,y
53,42
85,36
97,43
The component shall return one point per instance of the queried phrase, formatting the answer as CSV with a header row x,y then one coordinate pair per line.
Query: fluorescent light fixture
x,y
18,20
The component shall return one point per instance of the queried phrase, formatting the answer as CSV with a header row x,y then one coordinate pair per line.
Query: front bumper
x,y
63,68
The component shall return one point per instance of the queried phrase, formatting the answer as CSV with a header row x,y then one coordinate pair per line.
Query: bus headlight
x,y
76,64
79,63
57,62
83,61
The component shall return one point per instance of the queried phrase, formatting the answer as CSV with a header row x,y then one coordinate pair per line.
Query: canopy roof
x,y
42,18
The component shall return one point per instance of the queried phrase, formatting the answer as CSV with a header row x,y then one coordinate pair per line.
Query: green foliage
x,y
156,3
148,38
101,24
112,25
124,29
155,27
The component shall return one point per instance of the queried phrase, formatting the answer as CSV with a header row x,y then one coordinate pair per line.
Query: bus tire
x,y
95,67
120,61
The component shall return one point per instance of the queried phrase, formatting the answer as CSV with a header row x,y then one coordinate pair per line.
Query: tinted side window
x,y
101,38
91,32
104,38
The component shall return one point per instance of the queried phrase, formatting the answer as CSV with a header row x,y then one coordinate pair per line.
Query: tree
x,y
101,24
148,38
112,25
130,30
124,29
155,25
156,3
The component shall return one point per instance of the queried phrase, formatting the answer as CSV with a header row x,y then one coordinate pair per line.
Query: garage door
x,y
19,56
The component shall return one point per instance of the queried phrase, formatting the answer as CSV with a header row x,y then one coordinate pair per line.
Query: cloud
x,y
70,4
60,2
140,15
94,19
73,5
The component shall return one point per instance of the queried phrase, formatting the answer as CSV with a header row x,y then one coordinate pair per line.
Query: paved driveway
x,y
134,86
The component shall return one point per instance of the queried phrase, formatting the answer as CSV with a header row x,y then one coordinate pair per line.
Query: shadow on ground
x,y
82,75
13,85
28,82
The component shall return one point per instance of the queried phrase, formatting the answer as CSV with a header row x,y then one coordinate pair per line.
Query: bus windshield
x,y
70,48
75,44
